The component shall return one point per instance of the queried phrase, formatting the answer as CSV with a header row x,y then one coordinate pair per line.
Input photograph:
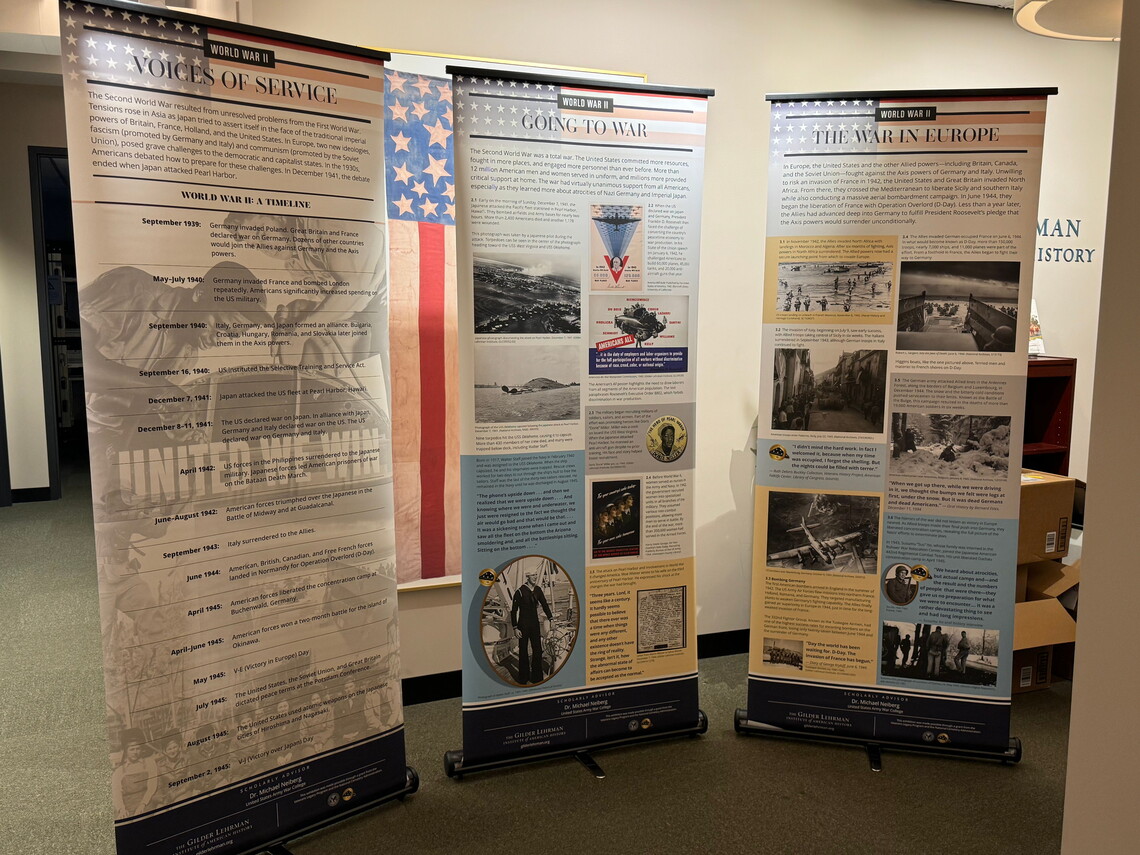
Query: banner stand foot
x,y
280,846
455,767
875,757
874,748
590,763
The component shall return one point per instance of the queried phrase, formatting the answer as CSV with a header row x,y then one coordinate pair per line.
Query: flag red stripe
x,y
433,402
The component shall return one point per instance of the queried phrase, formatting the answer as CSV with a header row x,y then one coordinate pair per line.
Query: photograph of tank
x,y
958,305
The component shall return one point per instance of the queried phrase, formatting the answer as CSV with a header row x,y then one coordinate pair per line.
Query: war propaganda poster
x,y
578,321
230,237
897,283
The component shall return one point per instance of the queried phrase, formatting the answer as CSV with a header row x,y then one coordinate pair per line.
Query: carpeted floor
x,y
718,793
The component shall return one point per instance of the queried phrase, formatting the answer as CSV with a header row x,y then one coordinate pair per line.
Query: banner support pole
x,y
455,767
874,748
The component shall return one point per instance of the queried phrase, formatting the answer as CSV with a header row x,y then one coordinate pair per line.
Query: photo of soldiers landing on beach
x,y
958,306
529,621
848,395
826,286
937,652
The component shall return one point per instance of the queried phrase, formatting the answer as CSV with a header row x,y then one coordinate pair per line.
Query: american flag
x,y
420,170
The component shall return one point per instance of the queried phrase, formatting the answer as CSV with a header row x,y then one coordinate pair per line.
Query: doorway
x,y
61,350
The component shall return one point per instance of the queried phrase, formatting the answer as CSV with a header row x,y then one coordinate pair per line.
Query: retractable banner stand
x,y
578,279
897,278
230,239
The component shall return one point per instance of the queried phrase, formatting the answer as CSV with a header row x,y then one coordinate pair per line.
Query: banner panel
x,y
579,273
230,240
899,261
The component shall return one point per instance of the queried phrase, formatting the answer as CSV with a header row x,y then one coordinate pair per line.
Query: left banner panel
x,y
232,262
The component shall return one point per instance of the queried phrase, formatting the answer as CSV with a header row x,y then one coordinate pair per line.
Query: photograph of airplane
x,y
827,532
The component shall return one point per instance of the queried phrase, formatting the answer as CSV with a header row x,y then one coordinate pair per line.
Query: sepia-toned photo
x,y
529,621
783,653
958,305
899,585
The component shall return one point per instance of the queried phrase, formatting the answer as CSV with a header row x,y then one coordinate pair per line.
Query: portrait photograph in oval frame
x,y
529,621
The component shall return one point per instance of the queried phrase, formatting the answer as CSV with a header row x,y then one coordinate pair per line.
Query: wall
x,y
32,116
1104,752
744,49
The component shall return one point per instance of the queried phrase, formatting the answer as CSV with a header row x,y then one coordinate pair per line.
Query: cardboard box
x,y
1038,626
1032,669
1046,580
1046,512
1022,583
1063,658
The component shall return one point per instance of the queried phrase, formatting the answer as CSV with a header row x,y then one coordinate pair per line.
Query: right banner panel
x,y
897,282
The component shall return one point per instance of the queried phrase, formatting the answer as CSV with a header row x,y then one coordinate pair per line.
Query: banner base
x,y
280,845
455,767
875,747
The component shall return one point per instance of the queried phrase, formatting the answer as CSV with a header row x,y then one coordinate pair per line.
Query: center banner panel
x,y
897,280
232,261
578,303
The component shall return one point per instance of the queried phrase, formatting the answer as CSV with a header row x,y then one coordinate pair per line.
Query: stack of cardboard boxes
x,y
1045,626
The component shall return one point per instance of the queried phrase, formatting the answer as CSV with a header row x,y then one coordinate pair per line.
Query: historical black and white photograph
x,y
527,292
899,584
825,286
942,445
783,653
529,621
946,654
958,305
616,508
830,532
829,388
526,383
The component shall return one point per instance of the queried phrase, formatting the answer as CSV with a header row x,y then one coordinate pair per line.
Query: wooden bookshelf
x,y
1049,413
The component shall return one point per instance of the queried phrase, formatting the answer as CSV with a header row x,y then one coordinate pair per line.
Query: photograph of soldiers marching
x,y
827,388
